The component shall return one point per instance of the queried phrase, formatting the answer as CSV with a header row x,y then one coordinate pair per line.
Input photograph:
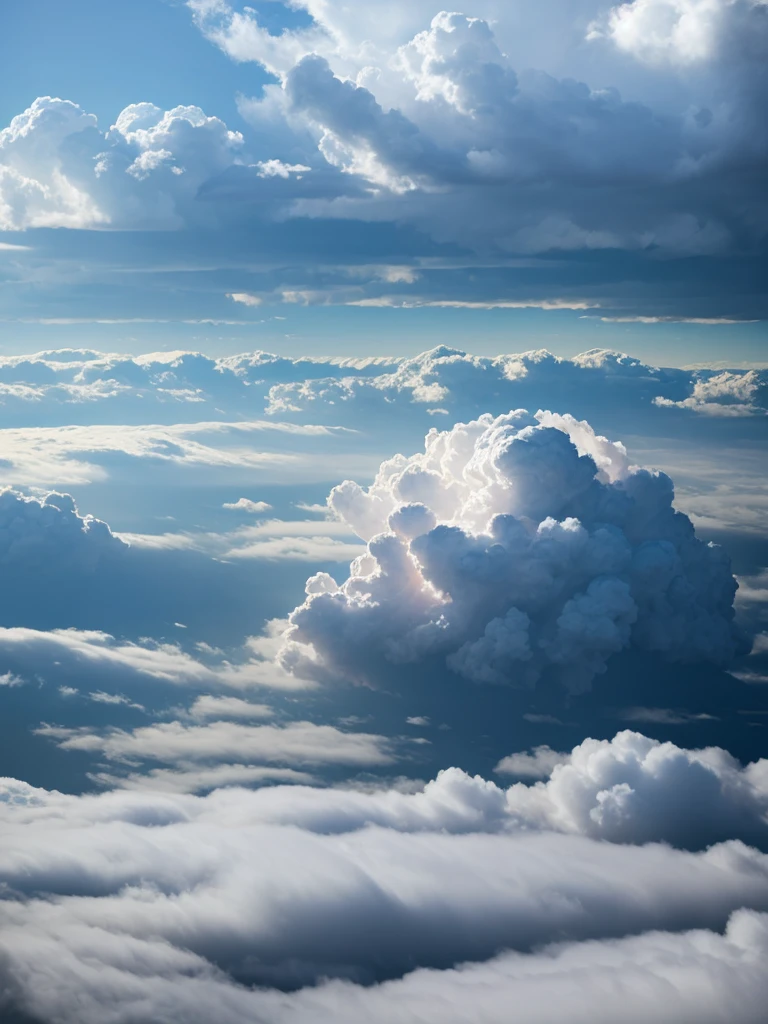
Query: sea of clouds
x,y
235,845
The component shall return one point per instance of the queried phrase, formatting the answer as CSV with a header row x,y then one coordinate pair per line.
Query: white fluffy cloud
x,y
148,905
634,789
103,389
699,975
461,384
36,532
58,170
191,777
630,789
678,31
438,121
514,547
536,765
441,105
248,505
726,394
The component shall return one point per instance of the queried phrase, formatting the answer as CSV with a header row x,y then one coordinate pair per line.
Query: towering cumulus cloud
x,y
510,550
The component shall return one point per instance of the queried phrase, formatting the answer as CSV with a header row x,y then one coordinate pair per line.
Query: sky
x,y
383,406
226,177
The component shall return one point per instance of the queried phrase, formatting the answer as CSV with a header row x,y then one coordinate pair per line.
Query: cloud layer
x,y
48,388
168,905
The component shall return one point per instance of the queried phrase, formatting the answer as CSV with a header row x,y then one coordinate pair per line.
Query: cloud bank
x,y
49,388
142,904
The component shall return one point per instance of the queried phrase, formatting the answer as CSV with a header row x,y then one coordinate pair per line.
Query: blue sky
x,y
106,56
310,168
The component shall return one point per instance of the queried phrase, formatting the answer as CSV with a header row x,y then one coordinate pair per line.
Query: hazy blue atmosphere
x,y
383,443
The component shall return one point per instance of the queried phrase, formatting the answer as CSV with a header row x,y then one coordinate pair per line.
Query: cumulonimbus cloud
x,y
513,548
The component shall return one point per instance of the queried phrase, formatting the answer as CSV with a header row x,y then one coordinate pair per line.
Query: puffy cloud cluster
x,y
434,125
633,789
449,381
255,508
58,170
42,533
435,109
511,549
726,394
47,388
149,905
679,31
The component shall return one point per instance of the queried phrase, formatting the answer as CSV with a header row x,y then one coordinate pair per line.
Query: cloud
x,y
444,113
514,549
630,789
467,385
429,125
245,298
58,170
43,390
700,975
662,716
154,904
271,540
66,456
187,777
208,706
246,505
87,655
276,168
500,132
298,549
678,31
417,303
537,765
101,697
721,494
296,743
694,974
634,789
726,394
705,321
49,533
